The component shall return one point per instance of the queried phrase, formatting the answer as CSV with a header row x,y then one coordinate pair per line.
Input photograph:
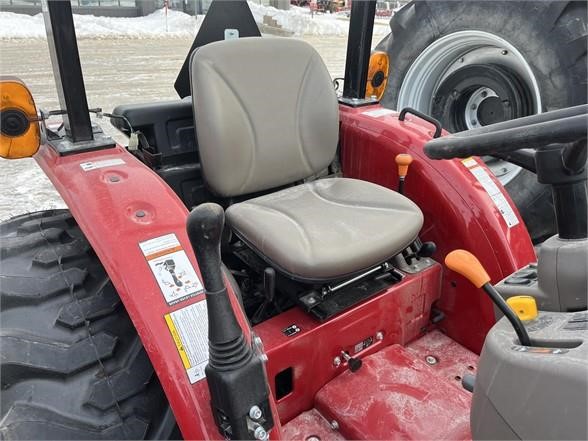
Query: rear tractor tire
x,y
472,63
72,365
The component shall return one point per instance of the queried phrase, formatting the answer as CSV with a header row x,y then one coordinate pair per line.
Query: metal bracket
x,y
358,102
64,145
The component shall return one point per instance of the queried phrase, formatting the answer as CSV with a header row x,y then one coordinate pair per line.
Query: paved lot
x,y
115,72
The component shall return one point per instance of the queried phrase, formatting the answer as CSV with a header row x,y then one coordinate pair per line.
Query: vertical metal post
x,y
359,44
67,70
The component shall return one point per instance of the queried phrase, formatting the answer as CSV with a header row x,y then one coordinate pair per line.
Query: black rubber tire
x,y
551,35
72,365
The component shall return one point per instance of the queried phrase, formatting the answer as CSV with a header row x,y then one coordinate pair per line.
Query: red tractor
x,y
266,261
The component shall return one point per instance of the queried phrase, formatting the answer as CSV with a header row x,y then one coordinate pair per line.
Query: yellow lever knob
x,y
403,160
466,264
524,306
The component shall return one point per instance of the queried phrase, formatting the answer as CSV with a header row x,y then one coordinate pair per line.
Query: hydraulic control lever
x,y
403,161
236,379
466,264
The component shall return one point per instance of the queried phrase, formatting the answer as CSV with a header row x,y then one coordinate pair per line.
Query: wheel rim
x,y
457,55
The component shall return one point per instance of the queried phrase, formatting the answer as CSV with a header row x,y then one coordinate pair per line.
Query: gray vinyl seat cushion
x,y
327,229
267,117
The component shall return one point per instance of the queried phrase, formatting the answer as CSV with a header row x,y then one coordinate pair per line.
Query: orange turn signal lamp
x,y
20,135
378,69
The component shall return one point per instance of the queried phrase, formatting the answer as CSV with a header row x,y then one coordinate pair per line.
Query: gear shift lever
x,y
234,373
466,264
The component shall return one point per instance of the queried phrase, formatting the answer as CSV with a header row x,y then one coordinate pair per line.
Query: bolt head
x,y
379,336
504,52
474,122
255,413
431,360
337,361
260,433
334,425
474,106
484,94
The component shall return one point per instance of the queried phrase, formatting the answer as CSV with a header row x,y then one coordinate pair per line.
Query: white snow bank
x,y
297,20
301,22
179,24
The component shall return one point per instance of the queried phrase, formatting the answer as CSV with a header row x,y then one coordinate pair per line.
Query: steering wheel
x,y
559,126
552,145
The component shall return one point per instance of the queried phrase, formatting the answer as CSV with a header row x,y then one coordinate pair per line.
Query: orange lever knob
x,y
403,160
466,264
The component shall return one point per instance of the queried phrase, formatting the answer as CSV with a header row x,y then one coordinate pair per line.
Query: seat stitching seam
x,y
315,191
298,225
301,148
251,128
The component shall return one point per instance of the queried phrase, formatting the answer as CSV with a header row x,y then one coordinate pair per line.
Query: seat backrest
x,y
266,113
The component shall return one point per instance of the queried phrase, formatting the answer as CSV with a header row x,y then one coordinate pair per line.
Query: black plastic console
x,y
172,149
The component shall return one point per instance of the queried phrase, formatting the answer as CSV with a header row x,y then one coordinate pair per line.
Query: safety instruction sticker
x,y
493,191
172,269
87,166
189,329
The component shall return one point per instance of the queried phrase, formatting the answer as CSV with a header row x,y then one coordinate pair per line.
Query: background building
x,y
124,8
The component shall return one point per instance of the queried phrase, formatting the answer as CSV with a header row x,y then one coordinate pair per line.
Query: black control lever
x,y
420,250
354,364
466,264
236,379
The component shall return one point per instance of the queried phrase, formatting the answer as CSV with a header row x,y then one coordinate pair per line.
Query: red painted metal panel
x,y
401,312
104,202
459,213
396,396
412,405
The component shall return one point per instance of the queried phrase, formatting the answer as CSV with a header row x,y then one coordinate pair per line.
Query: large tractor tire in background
x,y
71,365
473,63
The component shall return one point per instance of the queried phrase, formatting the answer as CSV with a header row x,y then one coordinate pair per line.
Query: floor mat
x,y
411,392
449,359
310,426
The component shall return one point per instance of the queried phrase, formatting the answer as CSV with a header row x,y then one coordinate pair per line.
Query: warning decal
x,y
189,329
493,191
172,269
88,166
378,112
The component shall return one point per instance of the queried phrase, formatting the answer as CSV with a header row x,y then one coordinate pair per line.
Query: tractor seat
x,y
327,228
268,117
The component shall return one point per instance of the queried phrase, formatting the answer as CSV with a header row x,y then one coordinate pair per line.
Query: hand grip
x,y
205,226
430,119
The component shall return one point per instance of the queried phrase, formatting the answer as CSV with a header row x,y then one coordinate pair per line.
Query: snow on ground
x,y
298,21
179,24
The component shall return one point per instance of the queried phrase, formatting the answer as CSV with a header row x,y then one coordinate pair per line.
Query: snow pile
x,y
298,21
301,22
155,25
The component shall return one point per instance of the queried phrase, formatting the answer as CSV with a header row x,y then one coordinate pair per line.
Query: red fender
x,y
459,212
105,201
